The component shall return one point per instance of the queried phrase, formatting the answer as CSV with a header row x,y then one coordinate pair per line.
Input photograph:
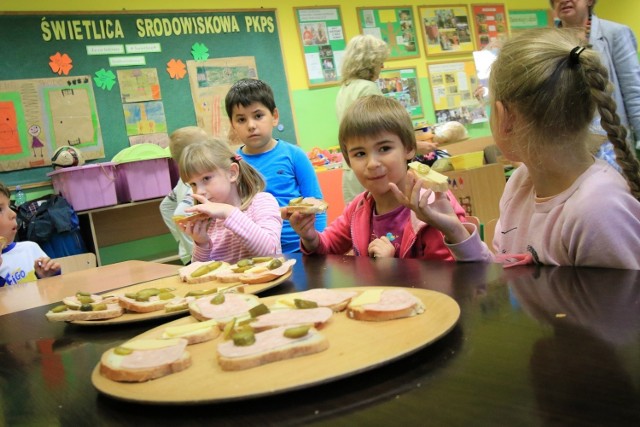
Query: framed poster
x,y
394,25
446,29
452,87
321,35
527,19
402,85
491,27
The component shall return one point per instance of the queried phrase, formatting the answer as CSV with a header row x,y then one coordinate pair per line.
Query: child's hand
x,y
197,230
46,267
304,225
439,213
212,209
381,247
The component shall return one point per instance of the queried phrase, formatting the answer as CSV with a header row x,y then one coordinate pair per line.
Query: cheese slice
x,y
434,180
287,301
370,296
176,331
150,344
257,269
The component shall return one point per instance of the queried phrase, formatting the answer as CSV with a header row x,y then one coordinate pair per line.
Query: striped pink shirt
x,y
244,234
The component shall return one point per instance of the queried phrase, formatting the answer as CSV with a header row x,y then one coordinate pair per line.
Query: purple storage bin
x,y
86,187
142,180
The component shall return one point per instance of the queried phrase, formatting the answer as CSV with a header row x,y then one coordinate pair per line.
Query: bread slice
x,y
194,333
378,305
186,273
148,360
269,346
430,179
335,299
69,315
307,205
234,306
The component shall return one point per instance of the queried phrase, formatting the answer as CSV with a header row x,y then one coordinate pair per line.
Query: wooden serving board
x,y
354,346
181,288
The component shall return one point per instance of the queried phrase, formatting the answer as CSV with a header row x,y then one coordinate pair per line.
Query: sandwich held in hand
x,y
145,359
307,205
85,306
431,179
384,304
247,349
192,217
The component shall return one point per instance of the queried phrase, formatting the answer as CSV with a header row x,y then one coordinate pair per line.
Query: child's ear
x,y
410,154
505,119
234,172
276,116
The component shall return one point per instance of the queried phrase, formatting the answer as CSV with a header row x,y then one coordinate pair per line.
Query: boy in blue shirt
x,y
21,262
288,172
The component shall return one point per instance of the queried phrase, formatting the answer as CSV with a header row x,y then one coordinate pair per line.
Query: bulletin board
x,y
323,43
490,25
529,19
394,25
401,84
96,52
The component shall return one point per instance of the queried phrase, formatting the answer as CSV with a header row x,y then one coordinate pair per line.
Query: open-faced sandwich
x,y
85,306
223,307
200,272
146,300
145,359
384,304
431,179
182,303
307,205
246,349
192,217
256,270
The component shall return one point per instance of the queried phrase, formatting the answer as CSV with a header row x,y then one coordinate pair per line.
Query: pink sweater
x,y
245,234
594,223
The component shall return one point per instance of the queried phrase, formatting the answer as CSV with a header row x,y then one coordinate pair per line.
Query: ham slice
x,y
143,359
311,316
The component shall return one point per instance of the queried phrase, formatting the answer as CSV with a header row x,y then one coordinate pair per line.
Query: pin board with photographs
x,y
321,35
401,84
446,29
490,23
452,90
394,25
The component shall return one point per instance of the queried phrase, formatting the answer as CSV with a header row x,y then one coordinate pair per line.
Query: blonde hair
x,y
184,136
214,154
363,58
556,97
370,116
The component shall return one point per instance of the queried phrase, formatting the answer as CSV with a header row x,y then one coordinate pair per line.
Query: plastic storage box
x,y
86,187
468,160
142,173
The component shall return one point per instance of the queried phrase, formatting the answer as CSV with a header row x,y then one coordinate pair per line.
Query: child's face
x,y
8,224
254,126
378,161
217,186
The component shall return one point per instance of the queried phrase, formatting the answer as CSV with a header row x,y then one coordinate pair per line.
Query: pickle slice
x,y
84,299
258,310
59,309
274,264
303,303
242,269
244,262
122,351
218,299
244,338
257,259
86,307
165,296
83,294
297,331
207,268
99,306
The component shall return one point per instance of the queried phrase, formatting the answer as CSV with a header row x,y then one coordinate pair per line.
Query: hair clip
x,y
574,56
236,158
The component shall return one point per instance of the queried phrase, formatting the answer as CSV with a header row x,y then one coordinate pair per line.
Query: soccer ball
x,y
66,156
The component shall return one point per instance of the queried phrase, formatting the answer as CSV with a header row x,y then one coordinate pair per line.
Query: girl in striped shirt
x,y
242,221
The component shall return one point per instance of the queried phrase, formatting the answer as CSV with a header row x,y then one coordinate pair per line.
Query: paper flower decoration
x,y
60,63
176,69
104,79
199,52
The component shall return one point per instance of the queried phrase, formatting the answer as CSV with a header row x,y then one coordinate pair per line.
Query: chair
x,y
489,231
77,262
